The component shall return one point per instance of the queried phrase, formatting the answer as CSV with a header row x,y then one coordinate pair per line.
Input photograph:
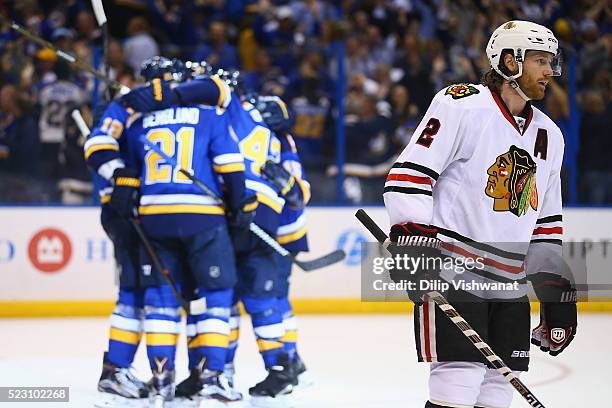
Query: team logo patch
x,y
512,182
459,91
557,335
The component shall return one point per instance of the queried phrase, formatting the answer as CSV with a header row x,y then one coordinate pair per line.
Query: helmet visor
x,y
557,63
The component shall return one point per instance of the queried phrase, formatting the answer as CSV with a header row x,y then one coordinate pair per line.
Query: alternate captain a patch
x,y
512,182
459,91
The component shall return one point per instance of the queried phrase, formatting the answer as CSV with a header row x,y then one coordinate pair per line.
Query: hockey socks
x,y
289,340
126,324
268,327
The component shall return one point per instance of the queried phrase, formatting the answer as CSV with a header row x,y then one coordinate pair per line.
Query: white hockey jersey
x,y
488,181
57,100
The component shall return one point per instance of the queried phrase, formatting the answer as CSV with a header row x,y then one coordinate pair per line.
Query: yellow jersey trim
x,y
180,209
228,168
98,147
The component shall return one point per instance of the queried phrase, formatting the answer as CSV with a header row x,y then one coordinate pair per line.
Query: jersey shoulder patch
x,y
458,91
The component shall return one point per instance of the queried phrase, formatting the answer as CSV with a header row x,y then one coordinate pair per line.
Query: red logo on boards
x,y
49,250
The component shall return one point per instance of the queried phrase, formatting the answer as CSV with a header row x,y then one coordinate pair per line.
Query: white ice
x,y
356,361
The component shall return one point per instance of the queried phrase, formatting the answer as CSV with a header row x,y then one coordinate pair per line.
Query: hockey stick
x,y
306,266
98,9
460,322
65,56
195,307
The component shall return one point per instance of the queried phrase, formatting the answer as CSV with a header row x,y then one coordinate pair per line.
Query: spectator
x,y
596,149
87,28
56,100
275,29
311,105
139,45
116,60
19,143
217,52
264,78
404,115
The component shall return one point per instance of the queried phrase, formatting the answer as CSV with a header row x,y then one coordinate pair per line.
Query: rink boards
x,y
58,260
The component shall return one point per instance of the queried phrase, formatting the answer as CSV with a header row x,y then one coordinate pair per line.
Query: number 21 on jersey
x,y
178,145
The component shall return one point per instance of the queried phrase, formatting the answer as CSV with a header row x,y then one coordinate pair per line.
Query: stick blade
x,y
321,262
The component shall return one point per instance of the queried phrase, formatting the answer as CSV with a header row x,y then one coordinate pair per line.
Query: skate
x,y
229,371
303,379
216,390
162,384
119,387
186,394
274,390
190,386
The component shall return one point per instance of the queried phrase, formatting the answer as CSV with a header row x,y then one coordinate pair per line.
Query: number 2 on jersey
x,y
158,171
427,135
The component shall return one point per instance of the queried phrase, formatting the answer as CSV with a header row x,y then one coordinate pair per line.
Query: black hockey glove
x,y
155,95
286,184
126,192
242,216
558,314
239,220
415,241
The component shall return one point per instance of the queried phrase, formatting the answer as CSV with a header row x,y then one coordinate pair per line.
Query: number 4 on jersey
x,y
427,135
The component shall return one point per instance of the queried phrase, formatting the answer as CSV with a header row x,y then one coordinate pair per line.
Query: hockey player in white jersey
x,y
481,178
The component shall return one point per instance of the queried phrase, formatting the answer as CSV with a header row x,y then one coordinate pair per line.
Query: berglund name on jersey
x,y
171,116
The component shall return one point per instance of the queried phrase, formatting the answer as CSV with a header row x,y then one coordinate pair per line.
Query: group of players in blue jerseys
x,y
240,148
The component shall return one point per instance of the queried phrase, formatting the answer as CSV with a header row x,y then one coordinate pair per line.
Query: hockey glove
x,y
415,241
242,216
286,184
126,192
155,95
558,314
239,220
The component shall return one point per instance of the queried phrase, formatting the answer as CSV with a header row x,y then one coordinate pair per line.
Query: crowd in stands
x,y
396,55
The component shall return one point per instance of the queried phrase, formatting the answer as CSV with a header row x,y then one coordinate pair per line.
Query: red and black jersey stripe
x,y
481,246
414,166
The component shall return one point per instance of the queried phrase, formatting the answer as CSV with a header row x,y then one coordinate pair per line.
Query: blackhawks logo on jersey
x,y
512,182
459,91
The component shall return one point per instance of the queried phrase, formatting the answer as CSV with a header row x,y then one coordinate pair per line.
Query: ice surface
x,y
356,361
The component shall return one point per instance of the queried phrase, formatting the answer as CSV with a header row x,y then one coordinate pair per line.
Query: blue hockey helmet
x,y
200,69
157,67
180,71
232,78
275,113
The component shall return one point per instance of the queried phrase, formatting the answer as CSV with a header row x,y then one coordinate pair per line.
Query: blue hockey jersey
x,y
291,232
199,140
